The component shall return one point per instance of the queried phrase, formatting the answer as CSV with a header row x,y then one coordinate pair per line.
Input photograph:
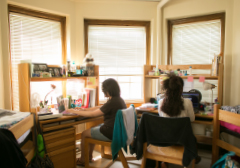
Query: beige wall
x,y
4,58
187,8
235,71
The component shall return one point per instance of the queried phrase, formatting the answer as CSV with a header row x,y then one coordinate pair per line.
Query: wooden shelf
x,y
38,79
28,150
184,77
204,139
204,116
203,122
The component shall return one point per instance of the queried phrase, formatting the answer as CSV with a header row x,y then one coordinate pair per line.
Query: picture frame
x,y
51,71
57,71
39,67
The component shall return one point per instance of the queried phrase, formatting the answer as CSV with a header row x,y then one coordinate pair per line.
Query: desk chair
x,y
172,154
172,133
121,157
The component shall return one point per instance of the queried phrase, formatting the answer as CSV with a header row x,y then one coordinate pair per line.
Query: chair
x,y
103,144
158,131
172,154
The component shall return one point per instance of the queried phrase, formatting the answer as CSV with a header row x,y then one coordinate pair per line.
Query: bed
x,y
20,124
228,117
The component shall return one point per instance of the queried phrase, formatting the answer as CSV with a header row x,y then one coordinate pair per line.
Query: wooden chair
x,y
172,154
121,156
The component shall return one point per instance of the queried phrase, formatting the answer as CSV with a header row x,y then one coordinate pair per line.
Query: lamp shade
x,y
208,86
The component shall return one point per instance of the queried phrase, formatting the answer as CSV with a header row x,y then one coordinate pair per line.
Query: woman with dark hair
x,y
173,105
104,131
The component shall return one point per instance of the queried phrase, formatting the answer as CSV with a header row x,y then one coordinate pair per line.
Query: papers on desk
x,y
147,107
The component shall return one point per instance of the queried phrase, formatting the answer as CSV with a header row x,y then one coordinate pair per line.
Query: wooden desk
x,y
60,138
199,119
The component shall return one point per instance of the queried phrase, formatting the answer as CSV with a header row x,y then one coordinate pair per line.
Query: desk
x,y
199,119
60,138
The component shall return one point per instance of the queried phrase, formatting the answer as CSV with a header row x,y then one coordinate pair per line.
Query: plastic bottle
x,y
73,67
190,70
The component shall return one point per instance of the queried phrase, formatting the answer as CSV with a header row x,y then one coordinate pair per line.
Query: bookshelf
x,y
24,80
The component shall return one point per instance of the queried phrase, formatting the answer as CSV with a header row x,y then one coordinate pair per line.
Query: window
x,y
120,48
35,36
195,41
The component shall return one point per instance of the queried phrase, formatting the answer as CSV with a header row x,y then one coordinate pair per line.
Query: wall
x,y
187,8
114,10
1,66
235,77
5,101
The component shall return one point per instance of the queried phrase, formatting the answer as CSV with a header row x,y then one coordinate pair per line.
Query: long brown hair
x,y
173,102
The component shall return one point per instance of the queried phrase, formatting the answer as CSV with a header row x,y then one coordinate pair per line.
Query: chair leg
x,y
144,155
123,159
86,153
193,163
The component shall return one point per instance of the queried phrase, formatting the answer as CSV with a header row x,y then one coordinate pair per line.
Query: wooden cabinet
x,y
24,80
200,119
61,147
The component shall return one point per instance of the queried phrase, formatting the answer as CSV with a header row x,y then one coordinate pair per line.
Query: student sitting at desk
x,y
104,131
173,105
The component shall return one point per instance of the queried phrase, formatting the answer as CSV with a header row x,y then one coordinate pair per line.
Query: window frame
x,y
146,24
195,19
38,14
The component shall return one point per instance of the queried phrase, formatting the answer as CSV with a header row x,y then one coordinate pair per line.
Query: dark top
x,y
10,152
110,109
163,131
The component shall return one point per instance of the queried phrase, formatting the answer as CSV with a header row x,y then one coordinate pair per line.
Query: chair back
x,y
162,131
125,127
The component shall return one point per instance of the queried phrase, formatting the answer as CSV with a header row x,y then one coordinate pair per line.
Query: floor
x,y
101,162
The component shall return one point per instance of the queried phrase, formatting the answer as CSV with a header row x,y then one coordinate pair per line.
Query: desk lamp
x,y
208,86
53,87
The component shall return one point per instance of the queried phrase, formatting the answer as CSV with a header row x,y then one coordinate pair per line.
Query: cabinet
x,y
24,80
200,119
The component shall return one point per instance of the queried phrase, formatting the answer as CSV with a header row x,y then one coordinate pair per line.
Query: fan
x,y
197,91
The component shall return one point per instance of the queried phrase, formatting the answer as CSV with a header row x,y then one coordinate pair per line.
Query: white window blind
x,y
120,52
36,39
196,43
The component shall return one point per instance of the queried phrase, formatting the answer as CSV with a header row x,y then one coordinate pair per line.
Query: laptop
x,y
194,97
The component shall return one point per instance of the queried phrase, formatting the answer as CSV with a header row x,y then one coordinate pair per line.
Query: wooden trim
x,y
43,15
220,16
146,24
35,13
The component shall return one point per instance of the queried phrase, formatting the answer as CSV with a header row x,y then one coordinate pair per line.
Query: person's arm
x,y
190,110
87,113
87,109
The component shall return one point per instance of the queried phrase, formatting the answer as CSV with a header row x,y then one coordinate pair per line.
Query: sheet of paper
x,y
201,79
91,81
190,79
188,85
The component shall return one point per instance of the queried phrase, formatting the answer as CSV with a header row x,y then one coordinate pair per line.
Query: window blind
x,y
196,43
35,39
120,52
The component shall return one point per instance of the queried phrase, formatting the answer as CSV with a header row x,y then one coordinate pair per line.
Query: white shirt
x,y
187,112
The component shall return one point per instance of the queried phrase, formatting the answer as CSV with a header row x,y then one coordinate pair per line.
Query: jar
x,y
78,70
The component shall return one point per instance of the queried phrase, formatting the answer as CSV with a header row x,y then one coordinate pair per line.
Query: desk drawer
x,y
64,157
60,139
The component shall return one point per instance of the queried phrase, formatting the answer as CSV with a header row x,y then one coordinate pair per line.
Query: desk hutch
x,y
200,119
59,134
